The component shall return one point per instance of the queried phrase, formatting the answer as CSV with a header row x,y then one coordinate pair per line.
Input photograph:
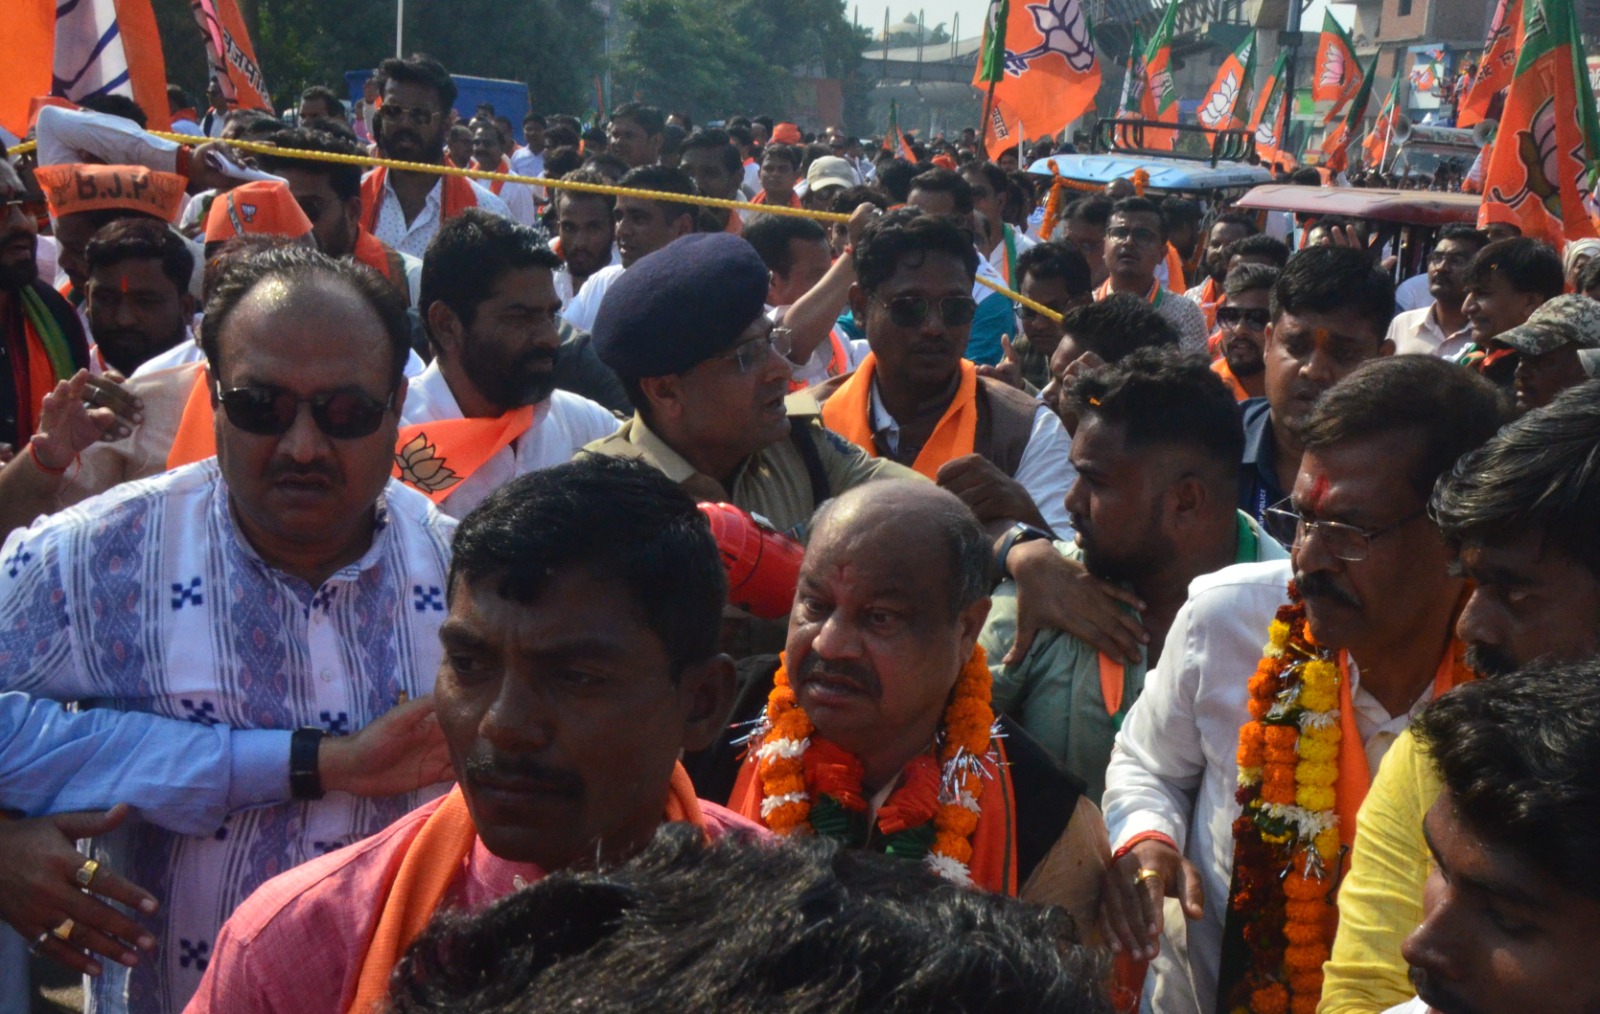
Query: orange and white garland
x,y
1286,840
796,766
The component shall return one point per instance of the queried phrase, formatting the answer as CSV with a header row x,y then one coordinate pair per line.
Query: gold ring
x,y
64,931
1145,874
86,872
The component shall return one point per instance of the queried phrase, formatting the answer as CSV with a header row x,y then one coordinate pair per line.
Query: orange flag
x,y
1271,116
1160,98
433,458
1338,76
1051,71
26,45
1219,109
1497,65
1548,136
228,50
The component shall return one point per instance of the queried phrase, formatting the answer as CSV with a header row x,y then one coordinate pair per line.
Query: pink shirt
x,y
296,944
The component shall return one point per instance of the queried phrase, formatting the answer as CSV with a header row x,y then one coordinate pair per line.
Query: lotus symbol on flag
x,y
421,466
1063,30
1333,70
1538,152
1267,129
1219,109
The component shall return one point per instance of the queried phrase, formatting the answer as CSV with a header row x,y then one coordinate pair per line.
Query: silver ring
x,y
93,397
38,942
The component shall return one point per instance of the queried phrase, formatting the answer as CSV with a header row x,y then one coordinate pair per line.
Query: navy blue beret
x,y
681,305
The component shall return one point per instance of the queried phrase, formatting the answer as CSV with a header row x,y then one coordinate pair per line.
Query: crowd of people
x,y
486,595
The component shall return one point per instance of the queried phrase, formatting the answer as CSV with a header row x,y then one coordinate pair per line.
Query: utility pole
x,y
399,29
1291,39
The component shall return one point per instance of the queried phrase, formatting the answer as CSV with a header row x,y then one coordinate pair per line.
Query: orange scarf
x,y
196,439
432,860
434,457
1221,369
838,361
1355,775
382,258
994,844
458,197
761,198
1175,276
495,186
849,413
1210,299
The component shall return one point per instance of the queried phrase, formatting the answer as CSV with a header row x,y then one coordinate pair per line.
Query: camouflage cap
x,y
1562,321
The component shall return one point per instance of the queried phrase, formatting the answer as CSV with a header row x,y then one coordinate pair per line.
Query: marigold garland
x,y
1058,183
1286,841
796,767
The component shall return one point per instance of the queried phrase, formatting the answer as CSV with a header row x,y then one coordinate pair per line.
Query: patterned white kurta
x,y
148,598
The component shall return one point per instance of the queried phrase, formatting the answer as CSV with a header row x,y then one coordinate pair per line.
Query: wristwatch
x,y
1016,535
305,781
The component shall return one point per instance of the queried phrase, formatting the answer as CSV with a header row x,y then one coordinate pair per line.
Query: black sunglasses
x,y
910,311
1233,316
264,411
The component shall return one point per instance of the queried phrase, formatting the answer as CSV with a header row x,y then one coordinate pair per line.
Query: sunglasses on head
x,y
1233,316
264,411
910,311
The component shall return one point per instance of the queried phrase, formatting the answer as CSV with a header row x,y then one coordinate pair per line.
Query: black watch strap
x,y
1019,533
305,781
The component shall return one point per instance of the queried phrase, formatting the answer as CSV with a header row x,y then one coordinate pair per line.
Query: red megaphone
x,y
763,564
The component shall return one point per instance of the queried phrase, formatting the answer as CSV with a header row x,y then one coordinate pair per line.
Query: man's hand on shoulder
x,y
404,749
1056,593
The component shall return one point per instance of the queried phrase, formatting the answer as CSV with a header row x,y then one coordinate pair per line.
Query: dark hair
x,y
142,239
1464,232
566,120
765,121
739,133
895,179
1589,275
177,98
1056,260
469,254
327,97
646,118
836,930
714,139
1328,223
1259,245
1240,220
563,160
908,234
992,174
1094,211
532,117
419,69
1117,326
1448,410
237,277
1330,279
1519,755
846,201
607,164
1176,212
668,179
672,139
1539,474
584,176
772,234
560,135
944,181
616,519
344,180
1527,265
1250,277
786,152
1141,206
116,105
1160,396
253,122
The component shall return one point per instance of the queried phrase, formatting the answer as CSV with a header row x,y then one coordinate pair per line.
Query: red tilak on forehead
x,y
124,285
1319,493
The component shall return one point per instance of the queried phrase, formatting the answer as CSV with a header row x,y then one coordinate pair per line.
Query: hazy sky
x,y
870,13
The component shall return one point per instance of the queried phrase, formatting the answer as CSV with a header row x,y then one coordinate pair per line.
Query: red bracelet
x,y
41,466
1144,836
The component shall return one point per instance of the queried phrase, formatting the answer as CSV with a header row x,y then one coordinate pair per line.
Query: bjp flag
x,y
228,51
1271,118
1338,75
1048,73
1336,146
1160,101
1377,143
1219,109
1497,65
76,51
25,50
1549,136
1132,101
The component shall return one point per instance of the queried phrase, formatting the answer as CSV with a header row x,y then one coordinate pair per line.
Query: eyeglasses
x,y
417,116
1342,541
750,354
265,411
1233,316
1438,259
1144,237
911,311
1029,313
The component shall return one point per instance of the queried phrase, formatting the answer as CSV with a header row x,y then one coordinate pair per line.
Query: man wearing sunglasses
x,y
1242,318
405,209
285,584
1136,244
1373,576
486,409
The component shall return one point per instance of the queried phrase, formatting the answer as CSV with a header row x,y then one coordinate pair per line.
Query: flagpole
x,y
399,29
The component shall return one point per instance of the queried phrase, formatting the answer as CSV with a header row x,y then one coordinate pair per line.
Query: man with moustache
x,y
1225,231
585,233
137,297
642,227
1512,909
489,154
1135,245
579,660
1440,328
1373,576
1242,323
1518,513
405,209
1505,282
1157,458
1330,310
486,409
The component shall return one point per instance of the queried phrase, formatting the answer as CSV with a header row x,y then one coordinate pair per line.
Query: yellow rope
x,y
539,181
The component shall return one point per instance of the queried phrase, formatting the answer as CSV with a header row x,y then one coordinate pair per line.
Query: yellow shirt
x,y
1380,901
